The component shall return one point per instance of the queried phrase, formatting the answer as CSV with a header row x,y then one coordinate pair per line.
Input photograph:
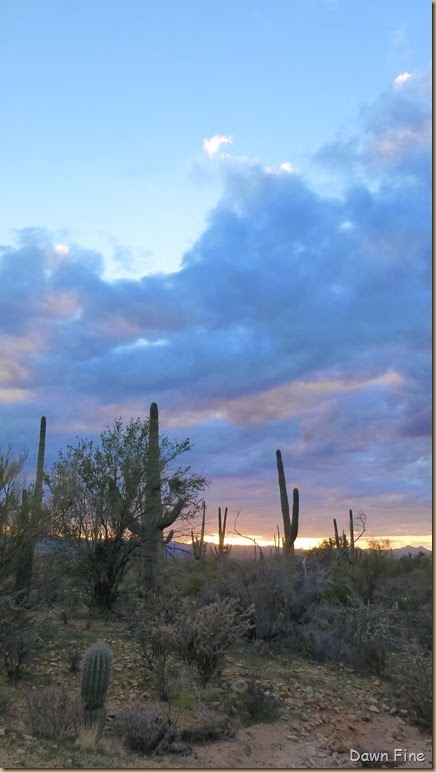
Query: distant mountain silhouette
x,y
246,551
399,552
238,552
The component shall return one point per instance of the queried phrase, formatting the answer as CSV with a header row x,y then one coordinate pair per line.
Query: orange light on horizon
x,y
308,542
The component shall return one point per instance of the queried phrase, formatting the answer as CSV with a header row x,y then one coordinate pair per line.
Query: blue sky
x,y
225,207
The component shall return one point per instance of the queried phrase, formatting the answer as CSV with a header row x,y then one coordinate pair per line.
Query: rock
x,y
339,747
404,712
373,708
393,711
292,737
28,737
385,707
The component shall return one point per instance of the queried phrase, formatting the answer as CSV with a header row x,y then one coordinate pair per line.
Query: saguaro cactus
x,y
154,519
30,517
290,527
341,542
199,546
222,548
352,549
97,666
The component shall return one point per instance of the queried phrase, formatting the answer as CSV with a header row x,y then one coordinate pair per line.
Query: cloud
x,y
61,249
400,79
297,321
395,136
212,145
284,167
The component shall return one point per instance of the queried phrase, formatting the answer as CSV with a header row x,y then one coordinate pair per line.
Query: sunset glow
x,y
218,222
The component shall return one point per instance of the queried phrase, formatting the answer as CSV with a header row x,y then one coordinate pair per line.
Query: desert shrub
x,y
52,574
407,591
73,658
152,631
257,704
368,637
263,585
174,629
183,691
411,683
202,636
19,638
316,643
144,730
53,713
359,635
409,598
5,692
196,577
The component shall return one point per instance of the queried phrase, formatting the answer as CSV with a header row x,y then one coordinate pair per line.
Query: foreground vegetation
x,y
110,649
174,683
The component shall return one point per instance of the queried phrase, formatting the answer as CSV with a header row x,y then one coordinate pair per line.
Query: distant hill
x,y
399,552
238,552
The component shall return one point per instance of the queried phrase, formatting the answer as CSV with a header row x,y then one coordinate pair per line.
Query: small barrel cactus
x,y
97,665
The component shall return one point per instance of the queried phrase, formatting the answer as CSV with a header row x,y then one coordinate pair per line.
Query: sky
x,y
225,208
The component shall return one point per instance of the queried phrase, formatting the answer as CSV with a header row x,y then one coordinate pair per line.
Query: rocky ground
x,y
325,712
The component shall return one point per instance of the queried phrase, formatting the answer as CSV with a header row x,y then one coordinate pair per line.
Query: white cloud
x,y
213,144
400,79
284,167
61,249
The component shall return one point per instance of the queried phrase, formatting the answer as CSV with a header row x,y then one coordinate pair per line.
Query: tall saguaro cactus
x,y
154,519
30,519
290,527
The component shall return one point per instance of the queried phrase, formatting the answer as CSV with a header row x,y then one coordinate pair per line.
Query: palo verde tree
x,y
117,496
